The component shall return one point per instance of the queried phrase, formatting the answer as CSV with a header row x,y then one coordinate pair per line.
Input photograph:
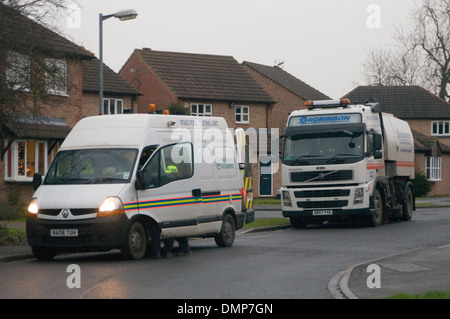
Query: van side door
x,y
167,195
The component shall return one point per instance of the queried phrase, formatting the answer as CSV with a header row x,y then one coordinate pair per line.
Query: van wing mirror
x,y
140,182
37,181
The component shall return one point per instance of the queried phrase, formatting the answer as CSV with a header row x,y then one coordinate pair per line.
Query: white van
x,y
119,179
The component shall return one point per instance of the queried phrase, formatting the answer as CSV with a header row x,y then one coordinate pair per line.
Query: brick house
x,y
205,85
34,127
429,119
119,96
38,106
289,94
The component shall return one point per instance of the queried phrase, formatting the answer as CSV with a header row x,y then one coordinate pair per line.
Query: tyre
x,y
43,253
375,219
135,246
227,233
408,205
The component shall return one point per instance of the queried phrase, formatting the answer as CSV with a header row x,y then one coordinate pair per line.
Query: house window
x,y
201,109
56,76
18,71
112,106
242,114
433,168
25,158
440,128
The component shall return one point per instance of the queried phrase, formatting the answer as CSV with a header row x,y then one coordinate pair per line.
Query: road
x,y
278,264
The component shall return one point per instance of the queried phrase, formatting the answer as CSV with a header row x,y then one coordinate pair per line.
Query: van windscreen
x,y
92,166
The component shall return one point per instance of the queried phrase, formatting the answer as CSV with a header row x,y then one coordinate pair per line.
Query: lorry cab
x,y
346,161
117,179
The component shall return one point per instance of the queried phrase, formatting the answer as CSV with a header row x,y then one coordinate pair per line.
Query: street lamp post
x,y
122,16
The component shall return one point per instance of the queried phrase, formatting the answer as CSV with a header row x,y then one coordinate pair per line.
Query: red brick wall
x,y
144,79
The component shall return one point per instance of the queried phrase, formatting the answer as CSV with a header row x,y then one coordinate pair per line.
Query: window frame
x,y
204,113
15,62
436,127
241,114
108,107
12,160
433,168
56,83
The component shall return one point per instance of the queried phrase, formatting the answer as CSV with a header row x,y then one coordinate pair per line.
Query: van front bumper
x,y
95,234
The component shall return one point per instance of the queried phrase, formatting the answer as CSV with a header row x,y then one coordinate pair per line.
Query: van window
x,y
169,164
92,166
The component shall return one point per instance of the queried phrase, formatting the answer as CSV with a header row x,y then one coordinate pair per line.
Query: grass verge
x,y
11,236
267,222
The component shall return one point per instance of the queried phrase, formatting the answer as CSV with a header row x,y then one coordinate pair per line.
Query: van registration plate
x,y
64,232
325,212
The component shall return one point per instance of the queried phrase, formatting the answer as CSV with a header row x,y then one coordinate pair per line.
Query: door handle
x,y
197,192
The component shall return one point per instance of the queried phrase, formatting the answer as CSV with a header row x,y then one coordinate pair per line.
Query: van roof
x,y
128,129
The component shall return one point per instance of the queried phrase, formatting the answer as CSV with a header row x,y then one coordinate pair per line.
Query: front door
x,y
265,176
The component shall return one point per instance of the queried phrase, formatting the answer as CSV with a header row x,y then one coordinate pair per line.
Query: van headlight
x,y
33,207
359,196
111,206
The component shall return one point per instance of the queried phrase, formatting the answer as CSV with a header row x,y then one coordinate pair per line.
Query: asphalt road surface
x,y
288,264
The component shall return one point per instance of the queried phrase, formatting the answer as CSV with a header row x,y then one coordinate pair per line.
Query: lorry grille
x,y
322,176
322,204
322,193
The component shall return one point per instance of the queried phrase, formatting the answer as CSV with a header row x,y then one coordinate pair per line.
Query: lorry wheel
x,y
136,243
43,253
376,219
227,233
408,205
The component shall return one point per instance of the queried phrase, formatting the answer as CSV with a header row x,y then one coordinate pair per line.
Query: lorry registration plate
x,y
326,212
64,232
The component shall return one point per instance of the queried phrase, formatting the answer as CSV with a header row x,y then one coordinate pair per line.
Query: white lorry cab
x,y
346,161
118,180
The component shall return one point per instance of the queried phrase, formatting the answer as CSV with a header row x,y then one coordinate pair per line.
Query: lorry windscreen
x,y
323,148
92,166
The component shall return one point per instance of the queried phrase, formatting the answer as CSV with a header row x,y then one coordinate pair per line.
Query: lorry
x,y
344,161
118,180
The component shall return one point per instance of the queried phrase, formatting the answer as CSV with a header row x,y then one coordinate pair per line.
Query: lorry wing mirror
x,y
377,154
377,142
37,181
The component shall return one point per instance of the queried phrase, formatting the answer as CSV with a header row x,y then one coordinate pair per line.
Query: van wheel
x,y
43,253
376,219
228,232
136,244
408,205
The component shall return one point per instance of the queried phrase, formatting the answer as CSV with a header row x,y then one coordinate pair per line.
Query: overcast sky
x,y
322,42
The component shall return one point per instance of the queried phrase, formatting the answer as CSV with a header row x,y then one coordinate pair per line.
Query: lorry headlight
x,y
359,195
111,206
286,199
33,207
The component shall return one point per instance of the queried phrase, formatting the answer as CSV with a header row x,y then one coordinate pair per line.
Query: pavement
x,y
415,271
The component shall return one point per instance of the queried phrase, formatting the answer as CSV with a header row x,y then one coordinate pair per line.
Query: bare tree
x,y
24,72
422,54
